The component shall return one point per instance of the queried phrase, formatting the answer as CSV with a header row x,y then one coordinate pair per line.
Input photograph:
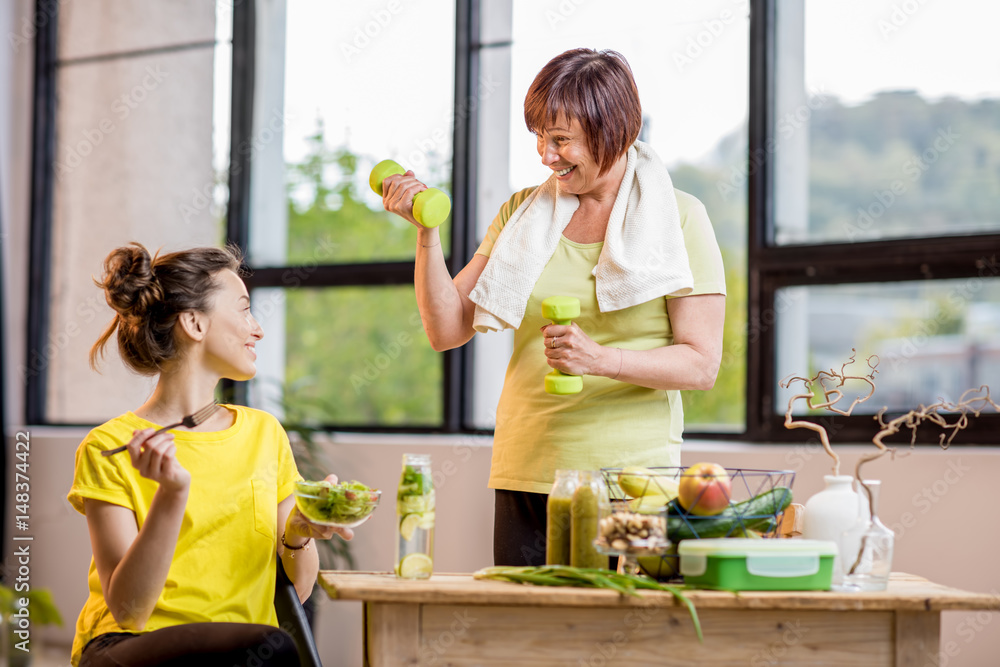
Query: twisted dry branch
x,y
831,396
971,402
912,420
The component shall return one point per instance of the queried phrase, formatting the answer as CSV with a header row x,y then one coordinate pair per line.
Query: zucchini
x,y
758,513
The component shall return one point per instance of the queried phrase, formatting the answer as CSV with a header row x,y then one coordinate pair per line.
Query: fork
x,y
189,421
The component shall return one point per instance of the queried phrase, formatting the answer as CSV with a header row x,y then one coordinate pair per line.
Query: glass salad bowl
x,y
344,505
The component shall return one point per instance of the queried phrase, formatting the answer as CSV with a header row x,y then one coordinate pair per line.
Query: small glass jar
x,y
868,568
415,518
590,504
559,517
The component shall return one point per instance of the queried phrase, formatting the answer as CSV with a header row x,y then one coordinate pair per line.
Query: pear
x,y
637,482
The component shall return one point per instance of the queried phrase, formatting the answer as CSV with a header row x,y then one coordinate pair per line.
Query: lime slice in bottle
x,y
426,520
416,566
408,525
411,504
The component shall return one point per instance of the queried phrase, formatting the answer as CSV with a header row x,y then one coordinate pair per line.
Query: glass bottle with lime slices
x,y
415,517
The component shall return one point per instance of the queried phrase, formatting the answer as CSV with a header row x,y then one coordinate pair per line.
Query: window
x,y
125,116
874,211
686,58
854,191
330,265
332,271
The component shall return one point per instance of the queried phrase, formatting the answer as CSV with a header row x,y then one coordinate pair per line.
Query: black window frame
x,y
770,267
43,153
458,363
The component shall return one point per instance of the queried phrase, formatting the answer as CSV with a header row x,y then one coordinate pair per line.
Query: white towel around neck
x,y
643,256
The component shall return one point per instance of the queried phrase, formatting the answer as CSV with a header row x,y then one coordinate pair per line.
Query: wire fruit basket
x,y
754,504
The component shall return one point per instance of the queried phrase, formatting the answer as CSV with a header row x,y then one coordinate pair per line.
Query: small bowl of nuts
x,y
623,532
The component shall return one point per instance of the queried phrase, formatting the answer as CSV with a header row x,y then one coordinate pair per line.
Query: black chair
x,y
292,618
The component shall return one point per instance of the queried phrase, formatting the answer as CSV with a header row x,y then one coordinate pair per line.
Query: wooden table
x,y
453,619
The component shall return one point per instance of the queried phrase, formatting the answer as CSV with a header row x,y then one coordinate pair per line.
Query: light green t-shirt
x,y
609,423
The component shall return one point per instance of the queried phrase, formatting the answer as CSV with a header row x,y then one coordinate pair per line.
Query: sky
x,y
380,72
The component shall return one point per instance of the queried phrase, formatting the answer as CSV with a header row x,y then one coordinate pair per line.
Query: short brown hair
x,y
597,89
148,294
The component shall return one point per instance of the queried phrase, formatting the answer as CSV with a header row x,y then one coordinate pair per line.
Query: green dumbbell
x,y
430,207
561,310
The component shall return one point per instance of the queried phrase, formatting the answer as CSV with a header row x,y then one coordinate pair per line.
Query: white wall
x,y
133,153
133,145
950,534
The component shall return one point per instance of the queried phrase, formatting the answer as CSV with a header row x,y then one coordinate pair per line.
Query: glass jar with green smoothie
x,y
559,517
576,504
590,504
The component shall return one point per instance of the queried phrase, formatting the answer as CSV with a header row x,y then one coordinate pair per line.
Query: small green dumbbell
x,y
430,207
561,310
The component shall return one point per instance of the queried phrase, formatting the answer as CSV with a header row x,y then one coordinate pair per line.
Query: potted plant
x,y
22,613
302,416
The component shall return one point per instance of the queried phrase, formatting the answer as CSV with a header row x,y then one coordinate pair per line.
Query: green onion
x,y
564,575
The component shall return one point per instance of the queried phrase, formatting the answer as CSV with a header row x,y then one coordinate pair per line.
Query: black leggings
x,y
194,645
519,533
519,527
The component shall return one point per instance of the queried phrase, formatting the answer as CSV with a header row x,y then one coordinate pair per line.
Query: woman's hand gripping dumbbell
x,y
562,310
430,206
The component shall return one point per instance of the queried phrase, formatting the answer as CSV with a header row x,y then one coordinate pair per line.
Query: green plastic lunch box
x,y
747,564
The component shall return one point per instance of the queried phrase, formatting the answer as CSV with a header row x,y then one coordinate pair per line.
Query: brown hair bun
x,y
149,294
130,286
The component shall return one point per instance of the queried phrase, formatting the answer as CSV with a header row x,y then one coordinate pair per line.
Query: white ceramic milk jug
x,y
838,513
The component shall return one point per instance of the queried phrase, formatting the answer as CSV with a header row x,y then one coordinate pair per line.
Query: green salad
x,y
342,504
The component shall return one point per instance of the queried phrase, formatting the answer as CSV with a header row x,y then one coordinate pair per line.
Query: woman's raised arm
x,y
445,308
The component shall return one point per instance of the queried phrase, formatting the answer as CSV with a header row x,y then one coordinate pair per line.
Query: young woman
x,y
186,526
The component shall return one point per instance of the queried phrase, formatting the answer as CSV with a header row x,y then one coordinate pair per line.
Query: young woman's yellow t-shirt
x,y
224,566
609,423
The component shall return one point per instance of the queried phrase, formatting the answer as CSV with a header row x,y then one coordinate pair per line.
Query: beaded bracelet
x,y
304,546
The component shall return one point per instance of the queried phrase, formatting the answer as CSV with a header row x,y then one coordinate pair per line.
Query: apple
x,y
704,489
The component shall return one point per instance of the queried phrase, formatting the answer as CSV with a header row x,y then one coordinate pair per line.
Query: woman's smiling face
x,y
563,149
232,330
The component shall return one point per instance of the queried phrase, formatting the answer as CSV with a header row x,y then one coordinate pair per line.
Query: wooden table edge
x,y
907,593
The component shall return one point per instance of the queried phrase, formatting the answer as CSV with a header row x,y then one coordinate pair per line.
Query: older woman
x,y
608,228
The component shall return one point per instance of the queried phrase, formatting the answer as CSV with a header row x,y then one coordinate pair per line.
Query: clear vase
x,y
834,514
415,518
869,569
